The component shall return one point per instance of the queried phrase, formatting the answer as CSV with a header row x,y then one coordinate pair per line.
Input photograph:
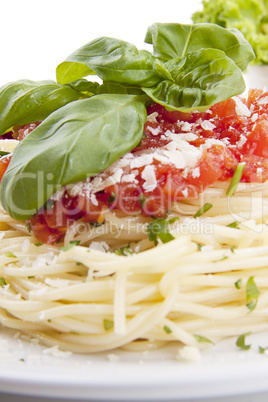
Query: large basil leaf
x,y
176,40
75,142
112,60
25,101
200,79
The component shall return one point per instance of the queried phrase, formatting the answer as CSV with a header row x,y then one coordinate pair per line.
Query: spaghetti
x,y
111,285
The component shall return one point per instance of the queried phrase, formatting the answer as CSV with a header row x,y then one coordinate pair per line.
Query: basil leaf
x,y
75,142
199,80
116,88
85,87
176,40
112,60
25,101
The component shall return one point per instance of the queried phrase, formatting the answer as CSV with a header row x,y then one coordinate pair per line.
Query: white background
x,y
35,36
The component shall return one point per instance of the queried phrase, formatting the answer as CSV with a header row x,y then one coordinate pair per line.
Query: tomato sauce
x,y
203,147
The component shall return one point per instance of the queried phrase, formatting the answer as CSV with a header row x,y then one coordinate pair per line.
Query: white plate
x,y
223,370
157,375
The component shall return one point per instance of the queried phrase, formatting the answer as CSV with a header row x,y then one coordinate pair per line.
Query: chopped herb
x,y
70,245
30,277
236,179
111,198
199,246
167,329
96,224
159,229
234,225
262,350
240,343
28,227
252,293
108,324
200,338
232,249
2,282
38,244
4,153
203,210
10,255
49,205
238,284
221,259
142,200
126,251
173,220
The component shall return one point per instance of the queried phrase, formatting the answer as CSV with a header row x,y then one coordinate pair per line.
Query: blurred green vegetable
x,y
249,16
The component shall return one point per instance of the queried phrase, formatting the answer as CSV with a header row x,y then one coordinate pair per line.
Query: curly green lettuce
x,y
249,16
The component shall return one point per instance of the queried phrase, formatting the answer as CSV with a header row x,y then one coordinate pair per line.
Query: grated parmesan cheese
x,y
148,175
241,108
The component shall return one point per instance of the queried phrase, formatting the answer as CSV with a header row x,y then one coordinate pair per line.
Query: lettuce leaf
x,y
249,16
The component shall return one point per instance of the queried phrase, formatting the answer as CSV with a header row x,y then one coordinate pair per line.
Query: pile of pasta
x,y
194,290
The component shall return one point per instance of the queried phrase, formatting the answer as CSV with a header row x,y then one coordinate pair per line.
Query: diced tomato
x,y
43,232
224,109
257,140
4,162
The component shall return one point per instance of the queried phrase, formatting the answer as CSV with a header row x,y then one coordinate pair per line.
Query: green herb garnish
x,y
10,255
203,209
252,293
234,225
112,198
4,153
70,245
200,339
158,229
142,200
167,329
108,324
236,179
2,282
238,284
125,251
240,343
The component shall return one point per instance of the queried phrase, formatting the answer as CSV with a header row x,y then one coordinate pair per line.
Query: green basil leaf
x,y
116,88
85,87
112,60
75,142
176,40
199,80
25,101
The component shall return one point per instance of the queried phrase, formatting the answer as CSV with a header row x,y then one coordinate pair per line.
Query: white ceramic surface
x,y
223,370
35,37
